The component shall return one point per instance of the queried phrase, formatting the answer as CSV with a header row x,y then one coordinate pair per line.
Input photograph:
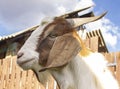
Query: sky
x,y
17,15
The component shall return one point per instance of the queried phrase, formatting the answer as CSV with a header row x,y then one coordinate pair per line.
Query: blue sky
x,y
16,15
113,16
112,7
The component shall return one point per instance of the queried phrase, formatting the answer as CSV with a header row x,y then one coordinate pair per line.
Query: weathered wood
x,y
4,72
87,43
23,79
97,33
110,58
12,77
118,67
8,62
94,44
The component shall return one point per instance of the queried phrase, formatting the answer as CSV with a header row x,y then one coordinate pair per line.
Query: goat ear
x,y
65,48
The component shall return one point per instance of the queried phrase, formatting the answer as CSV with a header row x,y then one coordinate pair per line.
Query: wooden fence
x,y
114,64
12,77
97,45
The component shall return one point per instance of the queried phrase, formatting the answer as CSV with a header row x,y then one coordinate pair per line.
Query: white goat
x,y
55,48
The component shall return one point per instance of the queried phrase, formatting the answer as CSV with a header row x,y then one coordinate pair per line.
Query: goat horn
x,y
65,15
76,22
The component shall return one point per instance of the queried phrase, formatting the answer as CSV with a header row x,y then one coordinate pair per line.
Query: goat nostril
x,y
20,55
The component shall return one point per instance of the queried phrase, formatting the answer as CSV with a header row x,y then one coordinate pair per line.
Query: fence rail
x,y
12,77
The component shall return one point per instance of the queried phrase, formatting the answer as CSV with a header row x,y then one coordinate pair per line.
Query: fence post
x,y
118,67
94,44
110,58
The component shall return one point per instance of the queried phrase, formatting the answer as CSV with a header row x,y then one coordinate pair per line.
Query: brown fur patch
x,y
44,50
61,27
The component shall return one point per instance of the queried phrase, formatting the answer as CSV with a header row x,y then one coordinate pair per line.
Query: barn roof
x,y
18,33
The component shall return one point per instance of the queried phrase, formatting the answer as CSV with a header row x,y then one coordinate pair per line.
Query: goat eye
x,y
52,36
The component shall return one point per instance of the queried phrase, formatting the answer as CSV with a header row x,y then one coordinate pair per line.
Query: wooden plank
x,y
51,83
23,79
87,42
94,44
29,79
17,79
4,69
110,59
88,36
98,32
0,73
94,33
26,82
90,33
7,80
12,80
118,67
35,83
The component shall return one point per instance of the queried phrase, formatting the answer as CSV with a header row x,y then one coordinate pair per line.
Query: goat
x,y
56,49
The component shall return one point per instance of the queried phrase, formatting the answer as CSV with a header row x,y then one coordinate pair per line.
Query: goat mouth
x,y
25,62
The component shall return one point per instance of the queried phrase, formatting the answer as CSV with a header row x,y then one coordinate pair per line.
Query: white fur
x,y
86,73
30,46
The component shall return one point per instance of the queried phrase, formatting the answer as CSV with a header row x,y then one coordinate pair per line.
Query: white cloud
x,y
61,9
17,15
84,3
110,39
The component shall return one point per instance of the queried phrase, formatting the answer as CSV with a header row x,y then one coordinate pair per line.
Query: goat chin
x,y
42,77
